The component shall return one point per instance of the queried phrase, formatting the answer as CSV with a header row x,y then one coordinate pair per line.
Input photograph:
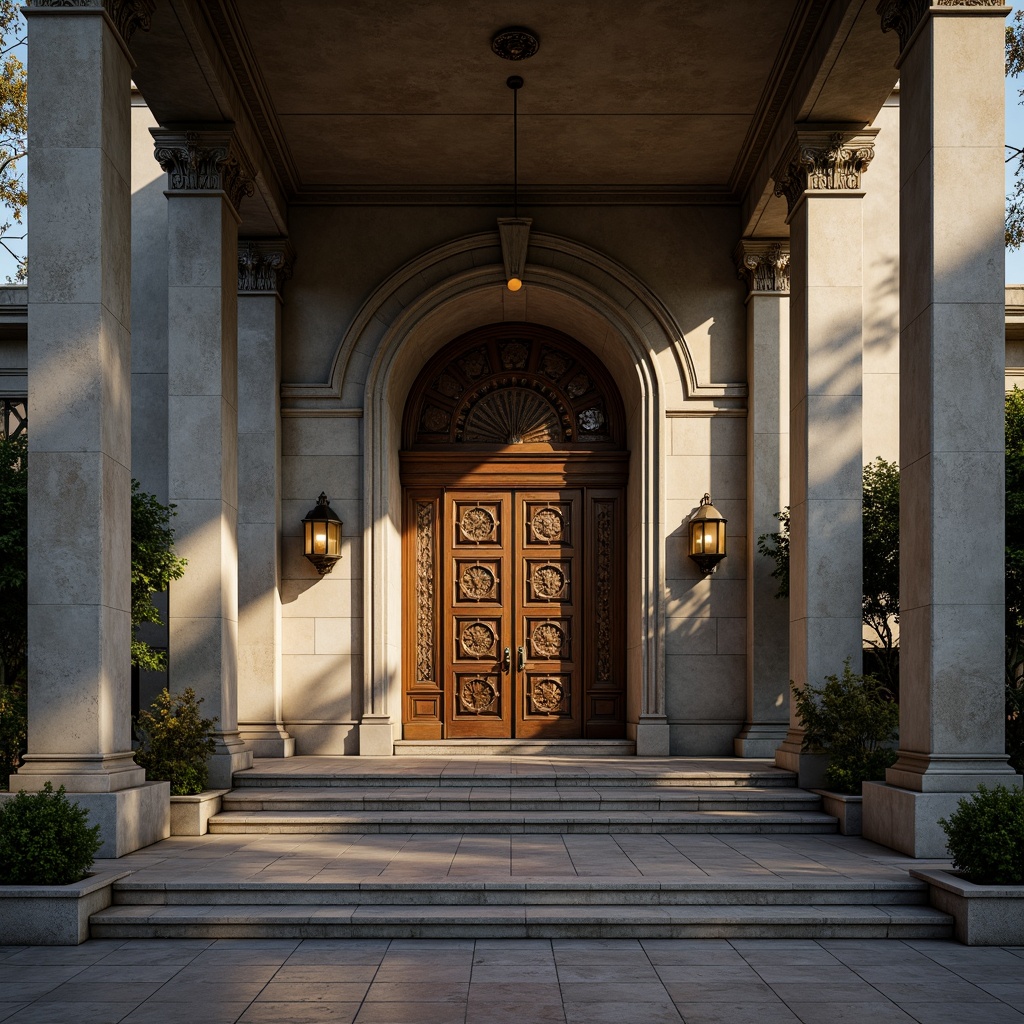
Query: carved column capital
x,y
825,159
763,264
905,15
127,15
264,265
204,160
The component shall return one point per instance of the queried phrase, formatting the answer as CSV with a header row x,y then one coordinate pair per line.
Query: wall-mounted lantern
x,y
321,534
707,536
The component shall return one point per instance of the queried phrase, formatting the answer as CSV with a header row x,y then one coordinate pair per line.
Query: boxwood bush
x,y
45,839
985,835
175,741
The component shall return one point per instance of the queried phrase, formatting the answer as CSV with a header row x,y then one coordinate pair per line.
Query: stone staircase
x,y
480,798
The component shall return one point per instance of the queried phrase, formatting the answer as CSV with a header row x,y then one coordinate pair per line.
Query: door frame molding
x,y
571,288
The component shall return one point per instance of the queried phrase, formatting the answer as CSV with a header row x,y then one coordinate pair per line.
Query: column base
x,y
376,736
809,768
231,755
760,739
267,740
79,773
651,735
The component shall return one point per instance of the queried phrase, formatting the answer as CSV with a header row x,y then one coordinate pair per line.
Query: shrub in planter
x,y
175,741
853,719
985,835
45,839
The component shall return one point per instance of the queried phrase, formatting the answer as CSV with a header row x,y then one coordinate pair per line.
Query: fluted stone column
x,y
764,265
263,267
207,179
951,421
820,176
79,415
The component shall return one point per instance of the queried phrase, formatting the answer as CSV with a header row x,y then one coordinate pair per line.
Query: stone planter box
x,y
190,815
986,915
848,809
54,915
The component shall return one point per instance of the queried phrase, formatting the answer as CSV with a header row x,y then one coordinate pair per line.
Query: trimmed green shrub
x,y
985,835
853,719
175,741
13,729
45,839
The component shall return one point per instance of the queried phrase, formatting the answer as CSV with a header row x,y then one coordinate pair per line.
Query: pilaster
x,y
951,420
79,408
208,176
263,267
764,266
820,176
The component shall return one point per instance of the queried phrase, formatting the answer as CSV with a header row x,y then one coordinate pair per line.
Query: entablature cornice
x,y
125,15
764,264
204,159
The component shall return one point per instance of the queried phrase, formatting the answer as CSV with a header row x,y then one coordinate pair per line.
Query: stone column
x,y
207,180
79,413
820,176
764,265
951,421
263,267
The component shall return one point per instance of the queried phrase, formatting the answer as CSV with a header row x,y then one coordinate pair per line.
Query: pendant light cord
x,y
515,83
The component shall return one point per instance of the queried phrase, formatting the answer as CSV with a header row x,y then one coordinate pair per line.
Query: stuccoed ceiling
x,y
403,100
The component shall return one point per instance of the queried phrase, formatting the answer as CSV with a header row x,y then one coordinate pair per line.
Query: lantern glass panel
x,y
333,538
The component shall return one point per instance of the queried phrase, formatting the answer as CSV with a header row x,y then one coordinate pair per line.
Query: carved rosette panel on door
x,y
514,475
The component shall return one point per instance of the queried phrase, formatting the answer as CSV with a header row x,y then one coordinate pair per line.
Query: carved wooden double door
x,y
519,614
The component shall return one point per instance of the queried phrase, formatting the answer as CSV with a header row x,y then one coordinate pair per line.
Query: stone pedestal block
x,y
652,736
130,818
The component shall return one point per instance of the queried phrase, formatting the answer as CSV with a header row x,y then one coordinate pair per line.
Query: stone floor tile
x,y
962,1013
300,1013
878,953
898,973
27,991
404,973
8,1009
255,957
720,992
520,974
851,1013
176,991
952,953
411,1013
71,1013
320,956
515,991
1010,992
489,1012
611,992
313,991
826,975
333,972
638,973
423,991
635,1012
29,974
955,990
220,974
155,1011
674,952
790,957
65,956
102,992
704,973
154,953
828,992
737,1013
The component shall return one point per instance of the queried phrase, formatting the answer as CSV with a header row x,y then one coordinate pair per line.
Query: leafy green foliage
x,y
154,565
1015,578
1015,200
13,557
175,741
13,133
880,607
985,835
853,718
13,729
45,839
776,547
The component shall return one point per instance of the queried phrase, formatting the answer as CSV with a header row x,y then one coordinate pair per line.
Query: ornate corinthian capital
x,y
264,266
203,161
764,264
905,15
127,15
824,160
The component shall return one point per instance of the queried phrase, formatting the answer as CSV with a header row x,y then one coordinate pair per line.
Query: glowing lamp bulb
x,y
514,284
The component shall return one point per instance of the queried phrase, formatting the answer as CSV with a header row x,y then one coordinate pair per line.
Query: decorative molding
x,y
603,515
127,15
904,16
827,159
200,160
264,266
515,44
764,265
425,598
514,233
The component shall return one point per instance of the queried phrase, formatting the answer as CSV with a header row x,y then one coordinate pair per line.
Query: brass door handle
x,y
522,658
506,661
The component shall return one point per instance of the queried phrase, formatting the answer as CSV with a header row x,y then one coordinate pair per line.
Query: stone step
x,y
550,891
577,922
515,822
524,799
515,748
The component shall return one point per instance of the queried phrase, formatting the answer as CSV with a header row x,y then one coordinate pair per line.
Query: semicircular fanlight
x,y
513,416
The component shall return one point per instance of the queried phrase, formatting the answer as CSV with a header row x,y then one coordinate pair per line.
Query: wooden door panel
x,y
478,676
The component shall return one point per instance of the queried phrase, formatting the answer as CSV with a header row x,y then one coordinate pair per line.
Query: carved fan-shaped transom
x,y
512,384
512,416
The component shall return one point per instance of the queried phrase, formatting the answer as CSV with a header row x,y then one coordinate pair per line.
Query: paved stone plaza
x,y
530,981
